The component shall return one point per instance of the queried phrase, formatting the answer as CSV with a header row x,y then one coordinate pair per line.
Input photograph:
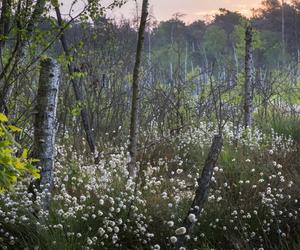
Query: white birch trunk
x,y
44,127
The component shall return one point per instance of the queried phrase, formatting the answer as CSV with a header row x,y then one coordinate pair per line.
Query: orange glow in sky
x,y
191,9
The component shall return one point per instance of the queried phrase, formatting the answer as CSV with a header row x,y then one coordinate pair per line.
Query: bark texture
x,y
44,127
248,105
132,168
202,189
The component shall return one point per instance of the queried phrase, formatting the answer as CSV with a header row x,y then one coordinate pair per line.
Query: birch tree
x,y
44,126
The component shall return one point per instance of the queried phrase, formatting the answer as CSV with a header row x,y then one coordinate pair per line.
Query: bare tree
x,y
202,189
44,126
75,82
135,92
248,105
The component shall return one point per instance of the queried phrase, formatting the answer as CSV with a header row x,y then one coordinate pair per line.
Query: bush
x,y
12,168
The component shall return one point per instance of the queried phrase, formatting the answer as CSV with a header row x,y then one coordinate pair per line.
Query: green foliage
x,y
214,40
238,37
12,168
287,126
271,47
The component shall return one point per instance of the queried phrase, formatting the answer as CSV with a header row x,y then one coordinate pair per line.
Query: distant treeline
x,y
202,43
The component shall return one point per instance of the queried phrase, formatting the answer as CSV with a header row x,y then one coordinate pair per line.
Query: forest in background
x,y
160,102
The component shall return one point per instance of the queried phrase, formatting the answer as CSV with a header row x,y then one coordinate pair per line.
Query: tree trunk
x,y
185,60
135,92
4,30
18,54
248,105
171,73
44,126
283,30
202,189
75,83
206,65
150,56
4,22
236,61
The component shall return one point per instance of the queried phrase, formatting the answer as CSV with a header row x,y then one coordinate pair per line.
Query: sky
x,y
192,9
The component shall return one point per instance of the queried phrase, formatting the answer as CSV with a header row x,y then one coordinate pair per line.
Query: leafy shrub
x,y
12,167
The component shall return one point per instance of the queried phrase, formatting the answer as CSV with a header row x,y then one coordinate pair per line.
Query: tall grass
x,y
252,204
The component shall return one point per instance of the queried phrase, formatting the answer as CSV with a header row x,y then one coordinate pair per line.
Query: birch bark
x,y
44,126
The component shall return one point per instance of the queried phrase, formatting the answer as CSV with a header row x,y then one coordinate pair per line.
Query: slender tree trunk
x,y
236,61
206,66
248,105
185,60
4,30
298,64
44,126
18,54
75,83
4,22
132,168
150,56
283,30
198,80
202,189
171,73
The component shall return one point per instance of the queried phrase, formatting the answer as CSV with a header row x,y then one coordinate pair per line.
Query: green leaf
x,y
3,118
14,128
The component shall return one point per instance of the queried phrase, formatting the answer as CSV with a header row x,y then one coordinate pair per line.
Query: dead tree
x,y
202,190
135,92
248,105
76,86
44,126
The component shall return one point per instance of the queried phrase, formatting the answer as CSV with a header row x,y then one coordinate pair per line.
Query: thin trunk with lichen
x,y
248,104
44,126
202,190
132,168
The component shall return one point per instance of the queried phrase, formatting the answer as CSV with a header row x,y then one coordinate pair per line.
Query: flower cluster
x,y
252,201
